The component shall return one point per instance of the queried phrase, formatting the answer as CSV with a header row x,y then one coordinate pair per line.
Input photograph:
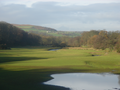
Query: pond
x,y
86,81
53,49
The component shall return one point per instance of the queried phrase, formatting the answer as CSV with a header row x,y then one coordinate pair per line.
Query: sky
x,y
63,15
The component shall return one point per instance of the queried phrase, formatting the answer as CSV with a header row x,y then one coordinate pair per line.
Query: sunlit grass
x,y
42,58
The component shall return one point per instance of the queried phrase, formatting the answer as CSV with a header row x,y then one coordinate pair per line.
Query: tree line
x,y
99,39
13,36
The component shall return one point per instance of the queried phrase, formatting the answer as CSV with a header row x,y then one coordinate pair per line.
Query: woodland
x,y
12,36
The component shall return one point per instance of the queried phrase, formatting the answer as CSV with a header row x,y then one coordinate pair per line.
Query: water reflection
x,y
86,81
119,79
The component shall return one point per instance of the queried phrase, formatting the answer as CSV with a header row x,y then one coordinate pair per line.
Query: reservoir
x,y
86,81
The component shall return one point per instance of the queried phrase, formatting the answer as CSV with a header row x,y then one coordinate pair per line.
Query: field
x,y
47,31
26,68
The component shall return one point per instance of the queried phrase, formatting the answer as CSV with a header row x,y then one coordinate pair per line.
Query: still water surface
x,y
86,81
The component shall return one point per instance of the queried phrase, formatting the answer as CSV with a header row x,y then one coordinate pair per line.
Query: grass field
x,y
27,68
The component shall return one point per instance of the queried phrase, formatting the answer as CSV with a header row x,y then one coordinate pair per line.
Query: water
x,y
86,81
53,49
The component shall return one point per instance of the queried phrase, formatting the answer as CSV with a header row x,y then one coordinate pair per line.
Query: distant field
x,y
30,29
24,27
26,68
47,31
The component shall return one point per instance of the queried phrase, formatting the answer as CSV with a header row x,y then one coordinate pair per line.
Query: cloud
x,y
71,17
61,2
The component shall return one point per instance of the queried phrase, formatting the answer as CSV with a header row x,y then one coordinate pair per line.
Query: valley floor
x,y
26,68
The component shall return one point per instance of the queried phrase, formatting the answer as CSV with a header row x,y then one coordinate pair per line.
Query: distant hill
x,y
47,31
27,27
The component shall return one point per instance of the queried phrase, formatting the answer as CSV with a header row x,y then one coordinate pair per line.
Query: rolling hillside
x,y
33,27
46,31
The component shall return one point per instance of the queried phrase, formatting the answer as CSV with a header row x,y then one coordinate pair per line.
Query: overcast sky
x,y
64,15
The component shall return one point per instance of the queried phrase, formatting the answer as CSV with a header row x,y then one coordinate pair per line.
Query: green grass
x,y
25,26
25,68
42,58
30,29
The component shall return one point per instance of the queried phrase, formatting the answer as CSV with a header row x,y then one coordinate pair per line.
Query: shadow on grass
x,y
10,59
5,54
26,80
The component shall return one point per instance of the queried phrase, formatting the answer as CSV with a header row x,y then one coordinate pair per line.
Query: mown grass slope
x,y
68,58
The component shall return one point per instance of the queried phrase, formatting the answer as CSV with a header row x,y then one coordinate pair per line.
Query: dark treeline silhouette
x,y
100,39
12,36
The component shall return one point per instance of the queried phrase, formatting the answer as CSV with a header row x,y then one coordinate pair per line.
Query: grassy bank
x,y
27,68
